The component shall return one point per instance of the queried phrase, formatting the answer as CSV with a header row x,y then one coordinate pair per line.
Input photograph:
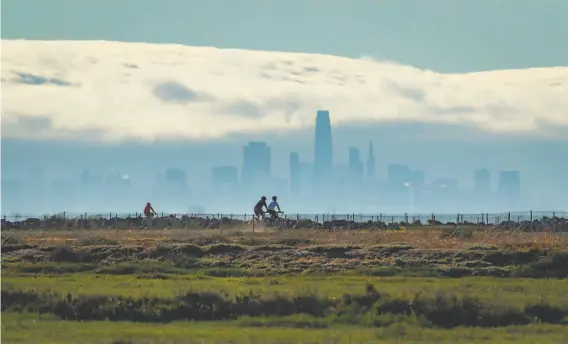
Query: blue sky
x,y
443,35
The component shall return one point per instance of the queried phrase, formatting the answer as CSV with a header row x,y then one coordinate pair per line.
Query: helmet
x,y
274,198
148,203
263,198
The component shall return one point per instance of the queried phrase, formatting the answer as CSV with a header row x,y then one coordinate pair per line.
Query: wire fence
x,y
408,218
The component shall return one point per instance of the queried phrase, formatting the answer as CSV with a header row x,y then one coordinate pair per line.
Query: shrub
x,y
225,248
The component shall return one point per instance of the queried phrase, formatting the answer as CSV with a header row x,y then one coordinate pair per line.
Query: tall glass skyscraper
x,y
323,154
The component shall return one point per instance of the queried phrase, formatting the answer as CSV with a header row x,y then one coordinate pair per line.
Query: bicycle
x,y
277,223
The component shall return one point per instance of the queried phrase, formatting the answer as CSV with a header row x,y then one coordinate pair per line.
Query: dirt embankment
x,y
291,256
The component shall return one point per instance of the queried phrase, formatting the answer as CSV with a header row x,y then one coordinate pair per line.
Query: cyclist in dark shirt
x,y
258,207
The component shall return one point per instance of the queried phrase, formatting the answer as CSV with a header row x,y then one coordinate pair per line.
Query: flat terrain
x,y
426,285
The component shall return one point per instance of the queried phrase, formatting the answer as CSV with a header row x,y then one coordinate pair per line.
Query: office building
x,y
295,173
482,182
371,163
355,166
397,175
323,153
509,186
256,163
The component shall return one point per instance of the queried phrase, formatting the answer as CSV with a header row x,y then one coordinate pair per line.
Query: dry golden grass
x,y
419,238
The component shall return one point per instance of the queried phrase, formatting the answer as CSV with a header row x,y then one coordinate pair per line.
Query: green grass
x,y
499,290
403,277
34,328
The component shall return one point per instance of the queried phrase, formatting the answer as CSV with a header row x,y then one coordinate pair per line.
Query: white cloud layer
x,y
112,91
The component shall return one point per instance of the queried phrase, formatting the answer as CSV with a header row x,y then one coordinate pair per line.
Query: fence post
x,y
531,215
392,219
458,219
406,218
509,216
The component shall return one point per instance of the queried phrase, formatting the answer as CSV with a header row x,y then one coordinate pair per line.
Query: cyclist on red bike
x,y
272,206
258,212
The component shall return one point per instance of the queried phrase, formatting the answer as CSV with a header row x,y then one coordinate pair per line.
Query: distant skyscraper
x,y
510,186
416,178
176,178
256,162
398,175
371,163
355,166
482,182
224,177
295,173
323,153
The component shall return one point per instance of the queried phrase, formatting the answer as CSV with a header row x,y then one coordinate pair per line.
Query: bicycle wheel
x,y
279,224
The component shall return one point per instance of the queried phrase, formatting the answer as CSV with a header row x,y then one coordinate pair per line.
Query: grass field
x,y
427,286
34,328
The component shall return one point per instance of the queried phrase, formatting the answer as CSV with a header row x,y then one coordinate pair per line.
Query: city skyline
x,y
402,190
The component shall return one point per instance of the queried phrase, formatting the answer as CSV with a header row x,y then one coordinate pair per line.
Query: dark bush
x,y
224,248
546,313
66,254
443,310
295,241
507,258
273,247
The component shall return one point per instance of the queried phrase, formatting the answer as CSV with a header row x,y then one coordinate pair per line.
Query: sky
x,y
442,35
444,86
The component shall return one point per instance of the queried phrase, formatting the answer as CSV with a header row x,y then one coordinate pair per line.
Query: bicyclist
x,y
258,208
149,210
271,208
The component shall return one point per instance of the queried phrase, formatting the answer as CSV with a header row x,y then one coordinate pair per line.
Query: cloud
x,y
31,79
179,92
172,91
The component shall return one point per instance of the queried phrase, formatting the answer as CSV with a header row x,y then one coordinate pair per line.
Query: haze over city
x,y
102,118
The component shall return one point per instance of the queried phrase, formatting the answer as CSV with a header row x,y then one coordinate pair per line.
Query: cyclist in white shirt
x,y
272,206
